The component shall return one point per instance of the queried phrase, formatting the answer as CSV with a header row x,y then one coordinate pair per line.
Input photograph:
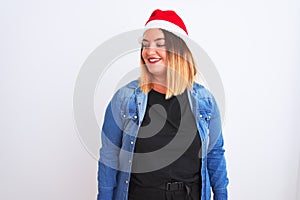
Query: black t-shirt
x,y
168,122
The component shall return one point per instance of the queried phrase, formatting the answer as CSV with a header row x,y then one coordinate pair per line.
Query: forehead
x,y
153,34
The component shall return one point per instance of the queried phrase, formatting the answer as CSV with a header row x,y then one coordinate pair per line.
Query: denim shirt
x,y
123,117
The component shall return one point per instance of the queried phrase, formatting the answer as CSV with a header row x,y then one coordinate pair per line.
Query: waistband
x,y
176,185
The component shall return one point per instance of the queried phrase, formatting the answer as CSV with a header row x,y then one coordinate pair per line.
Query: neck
x,y
159,84
159,88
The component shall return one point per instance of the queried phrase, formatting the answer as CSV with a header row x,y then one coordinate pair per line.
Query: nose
x,y
150,50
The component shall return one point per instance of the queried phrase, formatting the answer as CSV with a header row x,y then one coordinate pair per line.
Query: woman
x,y
161,136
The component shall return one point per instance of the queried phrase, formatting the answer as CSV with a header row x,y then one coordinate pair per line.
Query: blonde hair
x,y
181,70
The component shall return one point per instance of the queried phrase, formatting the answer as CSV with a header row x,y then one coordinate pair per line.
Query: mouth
x,y
153,60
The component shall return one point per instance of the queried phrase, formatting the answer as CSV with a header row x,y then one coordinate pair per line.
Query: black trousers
x,y
189,192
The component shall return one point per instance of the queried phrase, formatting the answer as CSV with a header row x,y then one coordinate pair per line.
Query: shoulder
x,y
201,92
123,95
129,89
205,98
126,91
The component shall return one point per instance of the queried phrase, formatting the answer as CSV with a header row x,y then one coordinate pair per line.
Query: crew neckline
x,y
158,92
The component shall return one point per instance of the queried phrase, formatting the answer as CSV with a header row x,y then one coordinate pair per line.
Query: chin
x,y
157,70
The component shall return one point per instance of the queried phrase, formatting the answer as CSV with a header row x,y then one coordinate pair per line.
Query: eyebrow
x,y
144,40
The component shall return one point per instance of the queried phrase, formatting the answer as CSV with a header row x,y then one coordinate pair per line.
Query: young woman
x,y
162,136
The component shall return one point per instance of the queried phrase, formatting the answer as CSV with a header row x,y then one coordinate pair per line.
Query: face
x,y
154,52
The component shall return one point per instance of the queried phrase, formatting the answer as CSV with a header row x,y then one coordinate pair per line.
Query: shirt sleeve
x,y
111,139
216,163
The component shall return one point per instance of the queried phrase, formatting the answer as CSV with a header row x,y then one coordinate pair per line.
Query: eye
x,y
156,45
145,45
160,45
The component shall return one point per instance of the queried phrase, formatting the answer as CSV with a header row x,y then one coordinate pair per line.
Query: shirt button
x,y
131,142
135,116
126,181
124,116
200,115
129,161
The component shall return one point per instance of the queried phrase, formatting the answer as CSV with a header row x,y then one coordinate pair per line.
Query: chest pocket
x,y
130,120
205,117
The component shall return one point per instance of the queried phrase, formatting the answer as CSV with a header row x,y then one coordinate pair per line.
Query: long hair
x,y
181,69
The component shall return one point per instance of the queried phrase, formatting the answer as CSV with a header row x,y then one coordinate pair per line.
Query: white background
x,y
254,45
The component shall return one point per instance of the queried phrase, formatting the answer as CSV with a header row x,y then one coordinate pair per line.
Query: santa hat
x,y
167,20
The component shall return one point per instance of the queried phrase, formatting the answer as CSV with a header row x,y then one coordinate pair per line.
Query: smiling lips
x,y
154,60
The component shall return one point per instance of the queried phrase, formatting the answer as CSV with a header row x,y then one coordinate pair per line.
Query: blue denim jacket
x,y
123,117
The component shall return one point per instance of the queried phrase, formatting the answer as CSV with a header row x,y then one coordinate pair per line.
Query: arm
x,y
216,163
111,139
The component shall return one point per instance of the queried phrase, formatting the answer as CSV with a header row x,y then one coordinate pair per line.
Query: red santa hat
x,y
167,20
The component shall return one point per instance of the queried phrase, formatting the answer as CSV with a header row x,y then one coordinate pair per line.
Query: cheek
x,y
162,53
144,55
164,56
